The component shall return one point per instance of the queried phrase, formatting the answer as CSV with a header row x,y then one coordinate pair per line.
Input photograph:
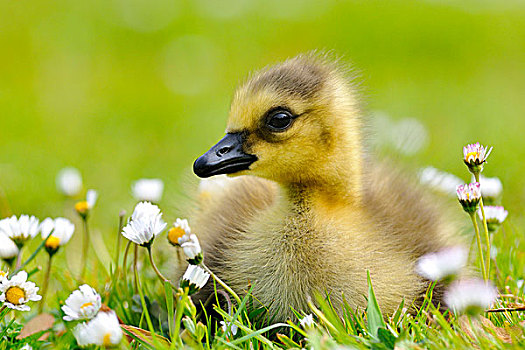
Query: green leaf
x,y
37,250
398,313
169,305
258,335
374,316
189,325
386,337
289,343
200,331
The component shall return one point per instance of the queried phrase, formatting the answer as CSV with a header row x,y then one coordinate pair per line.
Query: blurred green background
x,y
124,89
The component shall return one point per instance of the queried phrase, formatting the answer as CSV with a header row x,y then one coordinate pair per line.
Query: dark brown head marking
x,y
301,76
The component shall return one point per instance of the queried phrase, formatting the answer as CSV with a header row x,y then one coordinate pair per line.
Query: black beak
x,y
226,157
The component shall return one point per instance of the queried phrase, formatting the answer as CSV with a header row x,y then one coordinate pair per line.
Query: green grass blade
x,y
374,316
169,305
37,250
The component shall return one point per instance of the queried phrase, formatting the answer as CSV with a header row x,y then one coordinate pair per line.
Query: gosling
x,y
309,211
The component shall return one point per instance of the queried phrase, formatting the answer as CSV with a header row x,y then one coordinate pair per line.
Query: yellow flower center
x,y
82,207
174,234
106,341
86,305
2,274
472,154
52,242
14,294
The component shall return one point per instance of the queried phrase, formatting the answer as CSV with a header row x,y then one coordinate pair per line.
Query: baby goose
x,y
312,212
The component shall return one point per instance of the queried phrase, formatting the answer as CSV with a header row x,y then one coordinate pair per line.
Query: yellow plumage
x,y
312,211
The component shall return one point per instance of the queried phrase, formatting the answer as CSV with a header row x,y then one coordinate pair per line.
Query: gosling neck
x,y
342,188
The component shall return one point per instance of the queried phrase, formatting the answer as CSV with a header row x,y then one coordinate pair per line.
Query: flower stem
x,y
161,276
125,262
224,285
3,312
179,257
135,266
179,309
37,250
478,239
45,285
485,227
18,258
85,247
487,237
119,238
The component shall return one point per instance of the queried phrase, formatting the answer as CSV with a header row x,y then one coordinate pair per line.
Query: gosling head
x,y
295,122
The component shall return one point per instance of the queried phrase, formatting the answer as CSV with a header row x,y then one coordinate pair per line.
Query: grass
x,y
157,315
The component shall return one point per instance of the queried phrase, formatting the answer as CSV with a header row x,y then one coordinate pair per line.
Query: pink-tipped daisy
x,y
469,196
470,296
475,155
495,216
443,264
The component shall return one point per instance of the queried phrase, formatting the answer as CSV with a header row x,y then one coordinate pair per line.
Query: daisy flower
x,y
20,230
82,304
148,190
439,180
81,335
491,188
474,156
470,296
8,248
103,330
232,326
62,229
495,216
192,249
307,321
469,196
146,222
69,181
443,264
17,291
83,207
179,233
194,278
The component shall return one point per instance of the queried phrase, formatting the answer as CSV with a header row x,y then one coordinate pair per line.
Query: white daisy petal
x,y
194,278
470,296
16,291
491,187
445,263
62,228
8,248
69,181
148,190
103,330
307,321
439,180
192,249
146,222
91,198
82,304
232,326
20,230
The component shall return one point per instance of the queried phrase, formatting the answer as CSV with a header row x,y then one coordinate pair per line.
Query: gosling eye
x,y
279,120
